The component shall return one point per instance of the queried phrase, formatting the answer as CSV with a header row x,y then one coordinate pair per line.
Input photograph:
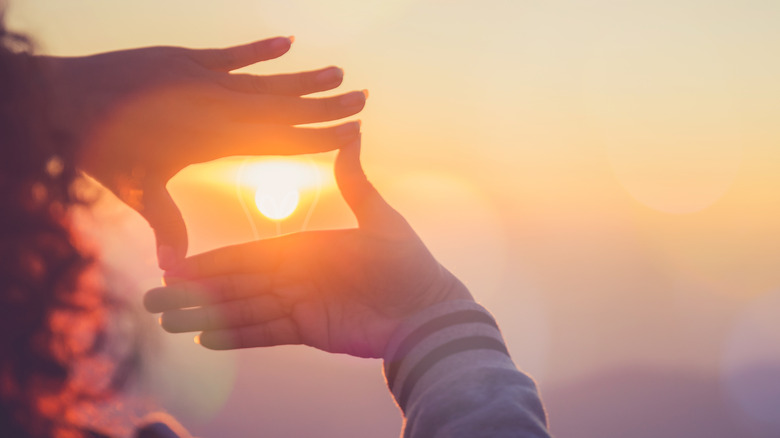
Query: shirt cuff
x,y
445,339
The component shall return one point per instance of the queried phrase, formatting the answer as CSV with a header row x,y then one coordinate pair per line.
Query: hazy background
x,y
604,175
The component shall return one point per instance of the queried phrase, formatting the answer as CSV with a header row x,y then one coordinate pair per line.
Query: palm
x,y
356,287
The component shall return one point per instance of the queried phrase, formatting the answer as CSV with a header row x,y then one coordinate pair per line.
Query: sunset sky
x,y
604,175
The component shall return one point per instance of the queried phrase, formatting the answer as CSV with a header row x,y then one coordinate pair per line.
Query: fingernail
x,y
348,131
197,339
353,99
365,94
282,43
329,76
291,38
166,257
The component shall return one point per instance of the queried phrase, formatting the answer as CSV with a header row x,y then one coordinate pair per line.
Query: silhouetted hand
x,y
342,291
142,115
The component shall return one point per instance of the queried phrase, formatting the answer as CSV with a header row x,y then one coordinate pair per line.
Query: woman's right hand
x,y
142,115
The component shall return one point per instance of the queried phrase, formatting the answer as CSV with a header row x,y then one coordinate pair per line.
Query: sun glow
x,y
276,203
279,184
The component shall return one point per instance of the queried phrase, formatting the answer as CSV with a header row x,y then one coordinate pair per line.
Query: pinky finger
x,y
277,332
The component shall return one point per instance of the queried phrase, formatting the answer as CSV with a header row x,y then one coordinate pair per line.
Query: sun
x,y
277,203
279,184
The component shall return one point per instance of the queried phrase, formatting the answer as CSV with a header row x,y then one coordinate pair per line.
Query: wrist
x,y
452,288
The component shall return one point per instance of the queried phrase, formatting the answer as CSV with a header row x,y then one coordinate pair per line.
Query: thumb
x,y
169,230
368,206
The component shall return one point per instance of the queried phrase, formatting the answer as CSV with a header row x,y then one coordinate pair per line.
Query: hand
x,y
142,115
342,291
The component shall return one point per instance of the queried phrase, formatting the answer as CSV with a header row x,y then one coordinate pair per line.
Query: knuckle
x,y
222,289
256,51
259,84
246,314
200,263
330,105
184,296
304,82
284,104
220,260
226,58
168,321
211,318
231,288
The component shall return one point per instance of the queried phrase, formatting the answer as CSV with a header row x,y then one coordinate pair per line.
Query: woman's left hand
x,y
342,291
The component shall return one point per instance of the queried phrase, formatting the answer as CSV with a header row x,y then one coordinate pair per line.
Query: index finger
x,y
232,58
211,290
252,257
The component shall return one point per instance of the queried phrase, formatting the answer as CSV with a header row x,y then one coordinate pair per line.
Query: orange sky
x,y
604,175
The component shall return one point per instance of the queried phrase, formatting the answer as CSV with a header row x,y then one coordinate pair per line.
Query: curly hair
x,y
51,316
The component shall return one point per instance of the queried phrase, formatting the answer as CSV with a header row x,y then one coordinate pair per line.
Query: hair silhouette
x,y
52,318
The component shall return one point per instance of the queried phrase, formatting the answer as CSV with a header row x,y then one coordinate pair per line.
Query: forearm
x,y
451,375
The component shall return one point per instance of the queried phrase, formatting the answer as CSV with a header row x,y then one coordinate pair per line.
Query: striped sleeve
x,y
449,371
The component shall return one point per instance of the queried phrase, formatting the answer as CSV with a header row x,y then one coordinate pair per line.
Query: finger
x,y
232,314
290,110
261,256
370,209
206,291
277,332
296,84
235,57
242,139
166,221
